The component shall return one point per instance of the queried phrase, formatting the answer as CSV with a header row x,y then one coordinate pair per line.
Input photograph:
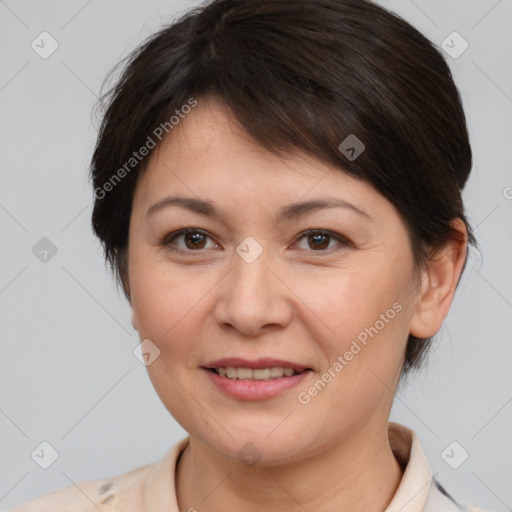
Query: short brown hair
x,y
299,75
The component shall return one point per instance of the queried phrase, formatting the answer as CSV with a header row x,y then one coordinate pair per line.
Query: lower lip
x,y
255,389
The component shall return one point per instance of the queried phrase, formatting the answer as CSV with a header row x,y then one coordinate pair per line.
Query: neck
x,y
358,474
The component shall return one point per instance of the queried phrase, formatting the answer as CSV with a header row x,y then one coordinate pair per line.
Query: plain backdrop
x,y
68,374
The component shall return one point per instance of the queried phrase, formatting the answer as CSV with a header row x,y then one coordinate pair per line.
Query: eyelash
x,y
343,242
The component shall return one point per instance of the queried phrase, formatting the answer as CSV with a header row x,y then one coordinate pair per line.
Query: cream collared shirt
x,y
151,488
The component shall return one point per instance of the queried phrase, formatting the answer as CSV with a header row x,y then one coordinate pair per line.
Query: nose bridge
x,y
252,296
249,281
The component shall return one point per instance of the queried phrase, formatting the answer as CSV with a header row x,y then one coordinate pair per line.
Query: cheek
x,y
359,316
346,301
166,303
360,350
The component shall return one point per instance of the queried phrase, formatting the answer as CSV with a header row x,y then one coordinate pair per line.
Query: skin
x,y
294,302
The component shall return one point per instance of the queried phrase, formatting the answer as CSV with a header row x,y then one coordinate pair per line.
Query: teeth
x,y
257,374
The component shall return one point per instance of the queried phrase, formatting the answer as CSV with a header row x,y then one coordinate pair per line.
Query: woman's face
x,y
248,282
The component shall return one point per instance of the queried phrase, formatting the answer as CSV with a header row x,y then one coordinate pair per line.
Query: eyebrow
x,y
288,212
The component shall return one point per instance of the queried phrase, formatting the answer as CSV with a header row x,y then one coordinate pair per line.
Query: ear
x,y
438,285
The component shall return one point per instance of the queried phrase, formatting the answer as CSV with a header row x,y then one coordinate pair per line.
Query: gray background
x,y
68,375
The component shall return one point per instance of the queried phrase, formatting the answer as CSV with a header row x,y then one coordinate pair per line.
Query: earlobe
x,y
438,285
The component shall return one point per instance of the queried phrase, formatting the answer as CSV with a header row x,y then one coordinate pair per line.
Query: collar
x,y
411,496
414,488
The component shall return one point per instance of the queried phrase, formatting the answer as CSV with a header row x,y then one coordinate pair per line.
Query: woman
x,y
278,190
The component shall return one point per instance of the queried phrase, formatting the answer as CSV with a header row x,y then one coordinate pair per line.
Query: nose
x,y
254,298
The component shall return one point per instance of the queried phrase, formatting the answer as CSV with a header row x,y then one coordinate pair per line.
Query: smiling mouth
x,y
241,373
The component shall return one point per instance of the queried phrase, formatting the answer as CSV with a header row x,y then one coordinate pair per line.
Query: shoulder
x,y
124,491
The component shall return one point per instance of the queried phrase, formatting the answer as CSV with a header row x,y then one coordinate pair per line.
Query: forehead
x,y
208,154
209,137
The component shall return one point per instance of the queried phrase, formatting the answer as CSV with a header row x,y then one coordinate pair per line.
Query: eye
x,y
320,240
194,240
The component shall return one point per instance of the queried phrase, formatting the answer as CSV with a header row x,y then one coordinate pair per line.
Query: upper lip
x,y
265,362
